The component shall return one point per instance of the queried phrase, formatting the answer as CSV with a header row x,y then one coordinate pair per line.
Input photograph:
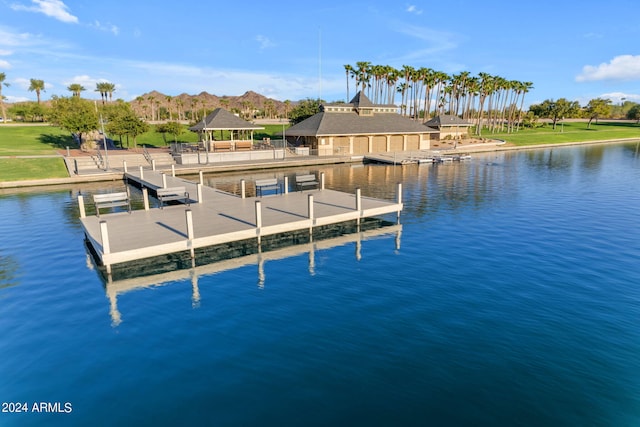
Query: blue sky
x,y
297,50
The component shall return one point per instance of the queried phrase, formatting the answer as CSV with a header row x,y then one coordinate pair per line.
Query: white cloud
x,y
13,39
13,99
620,96
4,64
413,9
108,27
54,8
623,67
22,83
438,40
4,52
264,42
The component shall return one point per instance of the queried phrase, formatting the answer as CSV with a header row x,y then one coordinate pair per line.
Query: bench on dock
x,y
111,200
266,185
172,193
222,146
306,181
243,145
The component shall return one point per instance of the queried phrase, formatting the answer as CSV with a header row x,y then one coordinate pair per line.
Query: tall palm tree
x,y
37,86
348,69
169,98
102,88
3,76
109,89
76,89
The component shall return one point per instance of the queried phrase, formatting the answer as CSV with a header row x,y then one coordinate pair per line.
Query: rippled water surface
x,y
511,296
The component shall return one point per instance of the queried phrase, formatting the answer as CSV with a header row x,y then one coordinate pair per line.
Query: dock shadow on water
x,y
156,266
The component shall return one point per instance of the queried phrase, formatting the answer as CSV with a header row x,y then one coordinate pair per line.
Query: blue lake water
x,y
510,297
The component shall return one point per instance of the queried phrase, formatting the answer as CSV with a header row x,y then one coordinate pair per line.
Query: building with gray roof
x,y
360,127
450,127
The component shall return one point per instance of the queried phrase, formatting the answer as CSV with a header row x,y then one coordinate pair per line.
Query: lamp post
x,y
104,139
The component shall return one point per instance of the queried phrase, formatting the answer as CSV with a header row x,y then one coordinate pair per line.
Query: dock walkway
x,y
216,217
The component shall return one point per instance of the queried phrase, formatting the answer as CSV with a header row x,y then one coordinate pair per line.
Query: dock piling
x,y
124,166
286,185
153,164
81,205
173,170
141,173
199,191
311,213
189,218
322,180
258,219
201,177
243,188
164,180
145,198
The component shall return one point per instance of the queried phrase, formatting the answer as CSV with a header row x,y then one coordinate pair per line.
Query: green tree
x,y
556,110
596,108
37,86
304,110
74,114
172,128
634,113
123,121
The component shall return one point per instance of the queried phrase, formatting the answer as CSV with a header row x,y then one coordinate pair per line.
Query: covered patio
x,y
223,131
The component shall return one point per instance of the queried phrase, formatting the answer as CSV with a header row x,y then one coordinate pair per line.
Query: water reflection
x,y
114,288
8,268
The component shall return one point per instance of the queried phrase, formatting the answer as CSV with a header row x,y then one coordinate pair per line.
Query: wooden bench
x,y
243,146
222,146
172,193
111,200
267,184
306,181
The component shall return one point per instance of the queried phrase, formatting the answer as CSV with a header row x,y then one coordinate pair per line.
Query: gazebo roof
x,y
447,120
221,119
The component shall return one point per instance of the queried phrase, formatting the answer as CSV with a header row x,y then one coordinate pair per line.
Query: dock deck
x,y
215,217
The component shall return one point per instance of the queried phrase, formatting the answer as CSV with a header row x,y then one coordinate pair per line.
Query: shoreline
x,y
278,164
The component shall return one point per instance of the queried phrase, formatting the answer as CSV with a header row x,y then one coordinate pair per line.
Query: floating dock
x,y
406,158
214,217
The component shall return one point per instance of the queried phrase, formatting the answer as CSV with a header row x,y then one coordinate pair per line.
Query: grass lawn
x,y
42,140
28,140
24,169
569,132
17,140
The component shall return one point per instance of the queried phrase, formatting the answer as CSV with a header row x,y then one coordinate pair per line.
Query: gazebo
x,y
221,120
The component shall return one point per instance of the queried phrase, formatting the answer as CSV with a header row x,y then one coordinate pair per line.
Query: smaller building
x,y
360,127
450,127
240,131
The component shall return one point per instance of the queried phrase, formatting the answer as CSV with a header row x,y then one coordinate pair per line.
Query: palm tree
x,y
169,98
101,87
37,86
3,76
109,89
76,89
348,69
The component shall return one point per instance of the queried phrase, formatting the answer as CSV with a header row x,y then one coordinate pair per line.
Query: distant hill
x,y
250,105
